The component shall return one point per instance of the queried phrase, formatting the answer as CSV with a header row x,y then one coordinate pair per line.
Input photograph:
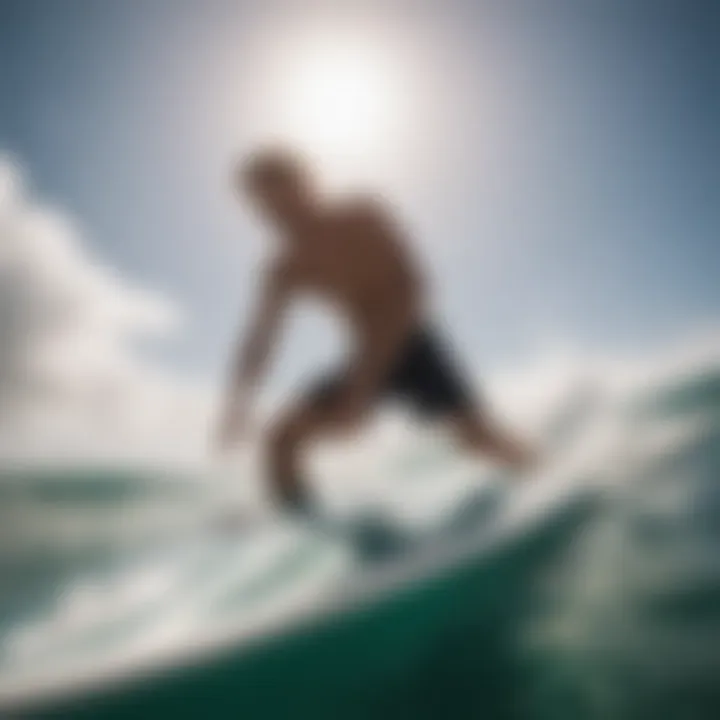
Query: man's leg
x,y
478,433
289,435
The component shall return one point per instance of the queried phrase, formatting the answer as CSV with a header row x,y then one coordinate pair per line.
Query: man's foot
x,y
295,499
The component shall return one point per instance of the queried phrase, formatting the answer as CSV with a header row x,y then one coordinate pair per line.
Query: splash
x,y
591,590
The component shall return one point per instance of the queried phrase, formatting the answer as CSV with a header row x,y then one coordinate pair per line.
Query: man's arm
x,y
250,362
254,349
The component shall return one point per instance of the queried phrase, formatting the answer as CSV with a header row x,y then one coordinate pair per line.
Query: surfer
x,y
353,255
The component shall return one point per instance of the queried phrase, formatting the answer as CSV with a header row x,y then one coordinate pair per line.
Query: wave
x,y
593,591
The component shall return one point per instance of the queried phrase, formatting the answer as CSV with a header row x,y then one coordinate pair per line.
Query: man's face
x,y
283,199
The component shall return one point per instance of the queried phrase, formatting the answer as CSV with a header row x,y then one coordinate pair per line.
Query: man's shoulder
x,y
363,208
281,269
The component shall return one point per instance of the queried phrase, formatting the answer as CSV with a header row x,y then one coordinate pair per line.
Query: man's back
x,y
351,255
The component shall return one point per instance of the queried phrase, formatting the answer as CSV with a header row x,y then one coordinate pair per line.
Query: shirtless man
x,y
353,256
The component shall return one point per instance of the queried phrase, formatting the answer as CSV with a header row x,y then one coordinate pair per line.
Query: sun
x,y
339,99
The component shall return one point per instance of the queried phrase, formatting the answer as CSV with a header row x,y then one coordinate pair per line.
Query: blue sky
x,y
565,181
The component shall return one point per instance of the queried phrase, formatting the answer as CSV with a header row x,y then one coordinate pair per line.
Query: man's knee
x,y
288,433
282,438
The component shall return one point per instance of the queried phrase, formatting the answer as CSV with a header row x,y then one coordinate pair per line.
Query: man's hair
x,y
272,165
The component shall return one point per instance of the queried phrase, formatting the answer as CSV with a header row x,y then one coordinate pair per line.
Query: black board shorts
x,y
424,375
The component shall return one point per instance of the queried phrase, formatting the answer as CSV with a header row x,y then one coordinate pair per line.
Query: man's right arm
x,y
249,365
254,348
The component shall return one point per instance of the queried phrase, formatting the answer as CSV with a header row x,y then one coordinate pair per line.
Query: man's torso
x,y
350,259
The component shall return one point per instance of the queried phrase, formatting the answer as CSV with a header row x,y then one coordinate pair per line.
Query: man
x,y
353,256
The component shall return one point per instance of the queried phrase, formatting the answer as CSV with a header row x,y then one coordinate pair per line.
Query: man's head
x,y
277,180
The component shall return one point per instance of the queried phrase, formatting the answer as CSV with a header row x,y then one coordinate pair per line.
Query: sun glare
x,y
339,100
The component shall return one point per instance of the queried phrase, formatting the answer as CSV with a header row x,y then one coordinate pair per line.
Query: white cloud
x,y
71,378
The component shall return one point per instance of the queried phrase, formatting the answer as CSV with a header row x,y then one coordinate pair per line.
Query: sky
x,y
556,162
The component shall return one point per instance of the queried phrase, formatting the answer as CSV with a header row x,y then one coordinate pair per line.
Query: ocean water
x,y
590,589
